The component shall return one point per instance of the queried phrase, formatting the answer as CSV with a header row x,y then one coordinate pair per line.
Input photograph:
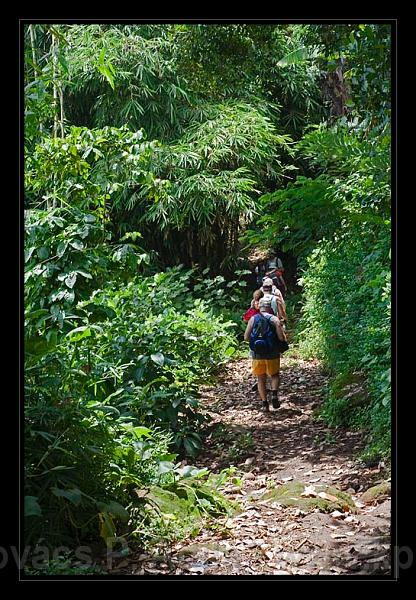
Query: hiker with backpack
x,y
277,303
275,270
254,310
280,283
254,306
266,337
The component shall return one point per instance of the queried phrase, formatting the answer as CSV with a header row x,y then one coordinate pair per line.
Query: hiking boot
x,y
275,401
266,406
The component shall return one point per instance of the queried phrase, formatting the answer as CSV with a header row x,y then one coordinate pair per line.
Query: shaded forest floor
x,y
286,449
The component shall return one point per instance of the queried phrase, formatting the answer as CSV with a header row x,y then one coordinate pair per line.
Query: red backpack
x,y
250,313
254,311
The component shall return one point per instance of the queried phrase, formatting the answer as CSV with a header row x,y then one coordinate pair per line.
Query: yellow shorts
x,y
266,367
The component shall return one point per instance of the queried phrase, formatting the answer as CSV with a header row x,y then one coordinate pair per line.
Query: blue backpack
x,y
263,336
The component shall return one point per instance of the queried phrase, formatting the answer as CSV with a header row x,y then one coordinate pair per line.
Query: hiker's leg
x,y
274,370
259,369
261,384
275,382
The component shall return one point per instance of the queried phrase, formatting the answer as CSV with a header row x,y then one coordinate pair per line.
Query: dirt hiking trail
x,y
308,506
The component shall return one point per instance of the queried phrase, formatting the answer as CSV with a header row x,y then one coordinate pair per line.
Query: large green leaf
x,y
106,69
73,495
79,333
165,467
77,244
57,468
115,509
158,358
107,528
62,246
32,507
297,56
43,252
71,279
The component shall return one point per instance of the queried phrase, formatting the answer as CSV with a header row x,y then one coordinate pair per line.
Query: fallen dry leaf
x,y
351,519
326,496
309,492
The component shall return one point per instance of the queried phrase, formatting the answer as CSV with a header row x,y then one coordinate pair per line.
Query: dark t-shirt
x,y
274,354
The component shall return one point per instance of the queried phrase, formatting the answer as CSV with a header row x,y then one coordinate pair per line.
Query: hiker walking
x,y
263,332
277,302
275,270
260,272
254,306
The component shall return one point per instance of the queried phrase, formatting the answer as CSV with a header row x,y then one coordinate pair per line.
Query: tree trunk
x,y
33,45
35,64
54,50
336,90
61,100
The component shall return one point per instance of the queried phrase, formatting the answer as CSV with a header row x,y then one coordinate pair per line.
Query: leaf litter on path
x,y
268,537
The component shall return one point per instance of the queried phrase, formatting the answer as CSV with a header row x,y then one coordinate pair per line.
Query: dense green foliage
x,y
346,322
336,219
153,153
111,380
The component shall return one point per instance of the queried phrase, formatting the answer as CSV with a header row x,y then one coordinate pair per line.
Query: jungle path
x,y
285,449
